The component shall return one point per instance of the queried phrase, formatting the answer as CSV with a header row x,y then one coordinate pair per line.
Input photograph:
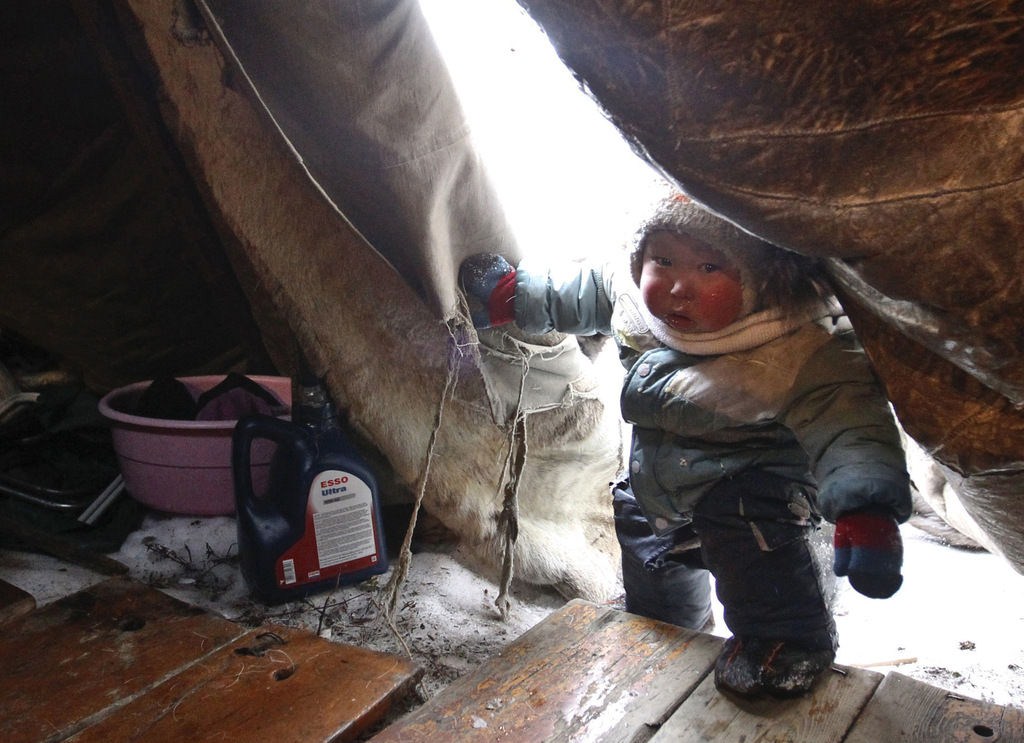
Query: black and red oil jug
x,y
318,525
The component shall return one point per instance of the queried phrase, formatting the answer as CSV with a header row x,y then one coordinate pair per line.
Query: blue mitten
x,y
869,549
490,285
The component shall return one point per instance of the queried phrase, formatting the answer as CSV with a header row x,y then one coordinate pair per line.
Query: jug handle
x,y
249,428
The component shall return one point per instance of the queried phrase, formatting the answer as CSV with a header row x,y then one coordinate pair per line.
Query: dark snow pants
x,y
752,531
664,577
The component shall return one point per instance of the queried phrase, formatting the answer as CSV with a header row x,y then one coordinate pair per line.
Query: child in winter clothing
x,y
753,410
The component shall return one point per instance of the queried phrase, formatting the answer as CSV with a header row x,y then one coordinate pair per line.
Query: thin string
x,y
508,519
394,586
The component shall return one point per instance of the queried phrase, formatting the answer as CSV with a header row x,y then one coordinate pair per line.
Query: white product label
x,y
342,508
289,571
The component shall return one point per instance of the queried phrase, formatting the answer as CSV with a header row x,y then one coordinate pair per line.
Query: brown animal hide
x,y
885,138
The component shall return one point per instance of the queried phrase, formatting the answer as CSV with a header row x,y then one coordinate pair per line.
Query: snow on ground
x,y
956,622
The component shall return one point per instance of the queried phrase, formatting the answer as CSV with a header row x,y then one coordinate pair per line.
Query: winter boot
x,y
754,666
738,668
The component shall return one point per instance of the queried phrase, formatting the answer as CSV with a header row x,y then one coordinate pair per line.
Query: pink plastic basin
x,y
184,466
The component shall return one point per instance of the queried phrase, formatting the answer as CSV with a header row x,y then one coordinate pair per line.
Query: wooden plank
x,y
70,662
274,684
60,546
905,710
584,673
824,716
14,602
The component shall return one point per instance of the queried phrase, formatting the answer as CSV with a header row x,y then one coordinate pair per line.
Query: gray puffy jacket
x,y
806,406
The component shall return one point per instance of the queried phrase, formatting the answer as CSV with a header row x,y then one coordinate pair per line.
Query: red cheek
x,y
651,291
723,305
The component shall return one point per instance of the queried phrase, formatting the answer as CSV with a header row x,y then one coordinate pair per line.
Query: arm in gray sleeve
x,y
844,423
567,297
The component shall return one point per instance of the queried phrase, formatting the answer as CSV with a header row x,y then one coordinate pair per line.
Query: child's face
x,y
688,285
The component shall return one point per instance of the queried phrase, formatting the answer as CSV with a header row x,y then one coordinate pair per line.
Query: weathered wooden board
x,y
590,673
585,673
905,710
70,661
14,602
825,716
121,661
274,684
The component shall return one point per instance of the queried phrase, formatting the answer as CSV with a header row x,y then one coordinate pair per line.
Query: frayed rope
x,y
401,571
508,520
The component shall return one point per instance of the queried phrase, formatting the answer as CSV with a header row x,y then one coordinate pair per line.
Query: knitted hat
x,y
762,266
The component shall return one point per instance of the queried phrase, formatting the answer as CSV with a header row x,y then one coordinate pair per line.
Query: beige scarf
x,y
748,332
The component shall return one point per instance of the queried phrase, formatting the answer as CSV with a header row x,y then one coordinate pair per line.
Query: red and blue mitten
x,y
490,285
869,550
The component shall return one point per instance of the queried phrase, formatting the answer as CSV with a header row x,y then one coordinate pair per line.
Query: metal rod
x,y
102,502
